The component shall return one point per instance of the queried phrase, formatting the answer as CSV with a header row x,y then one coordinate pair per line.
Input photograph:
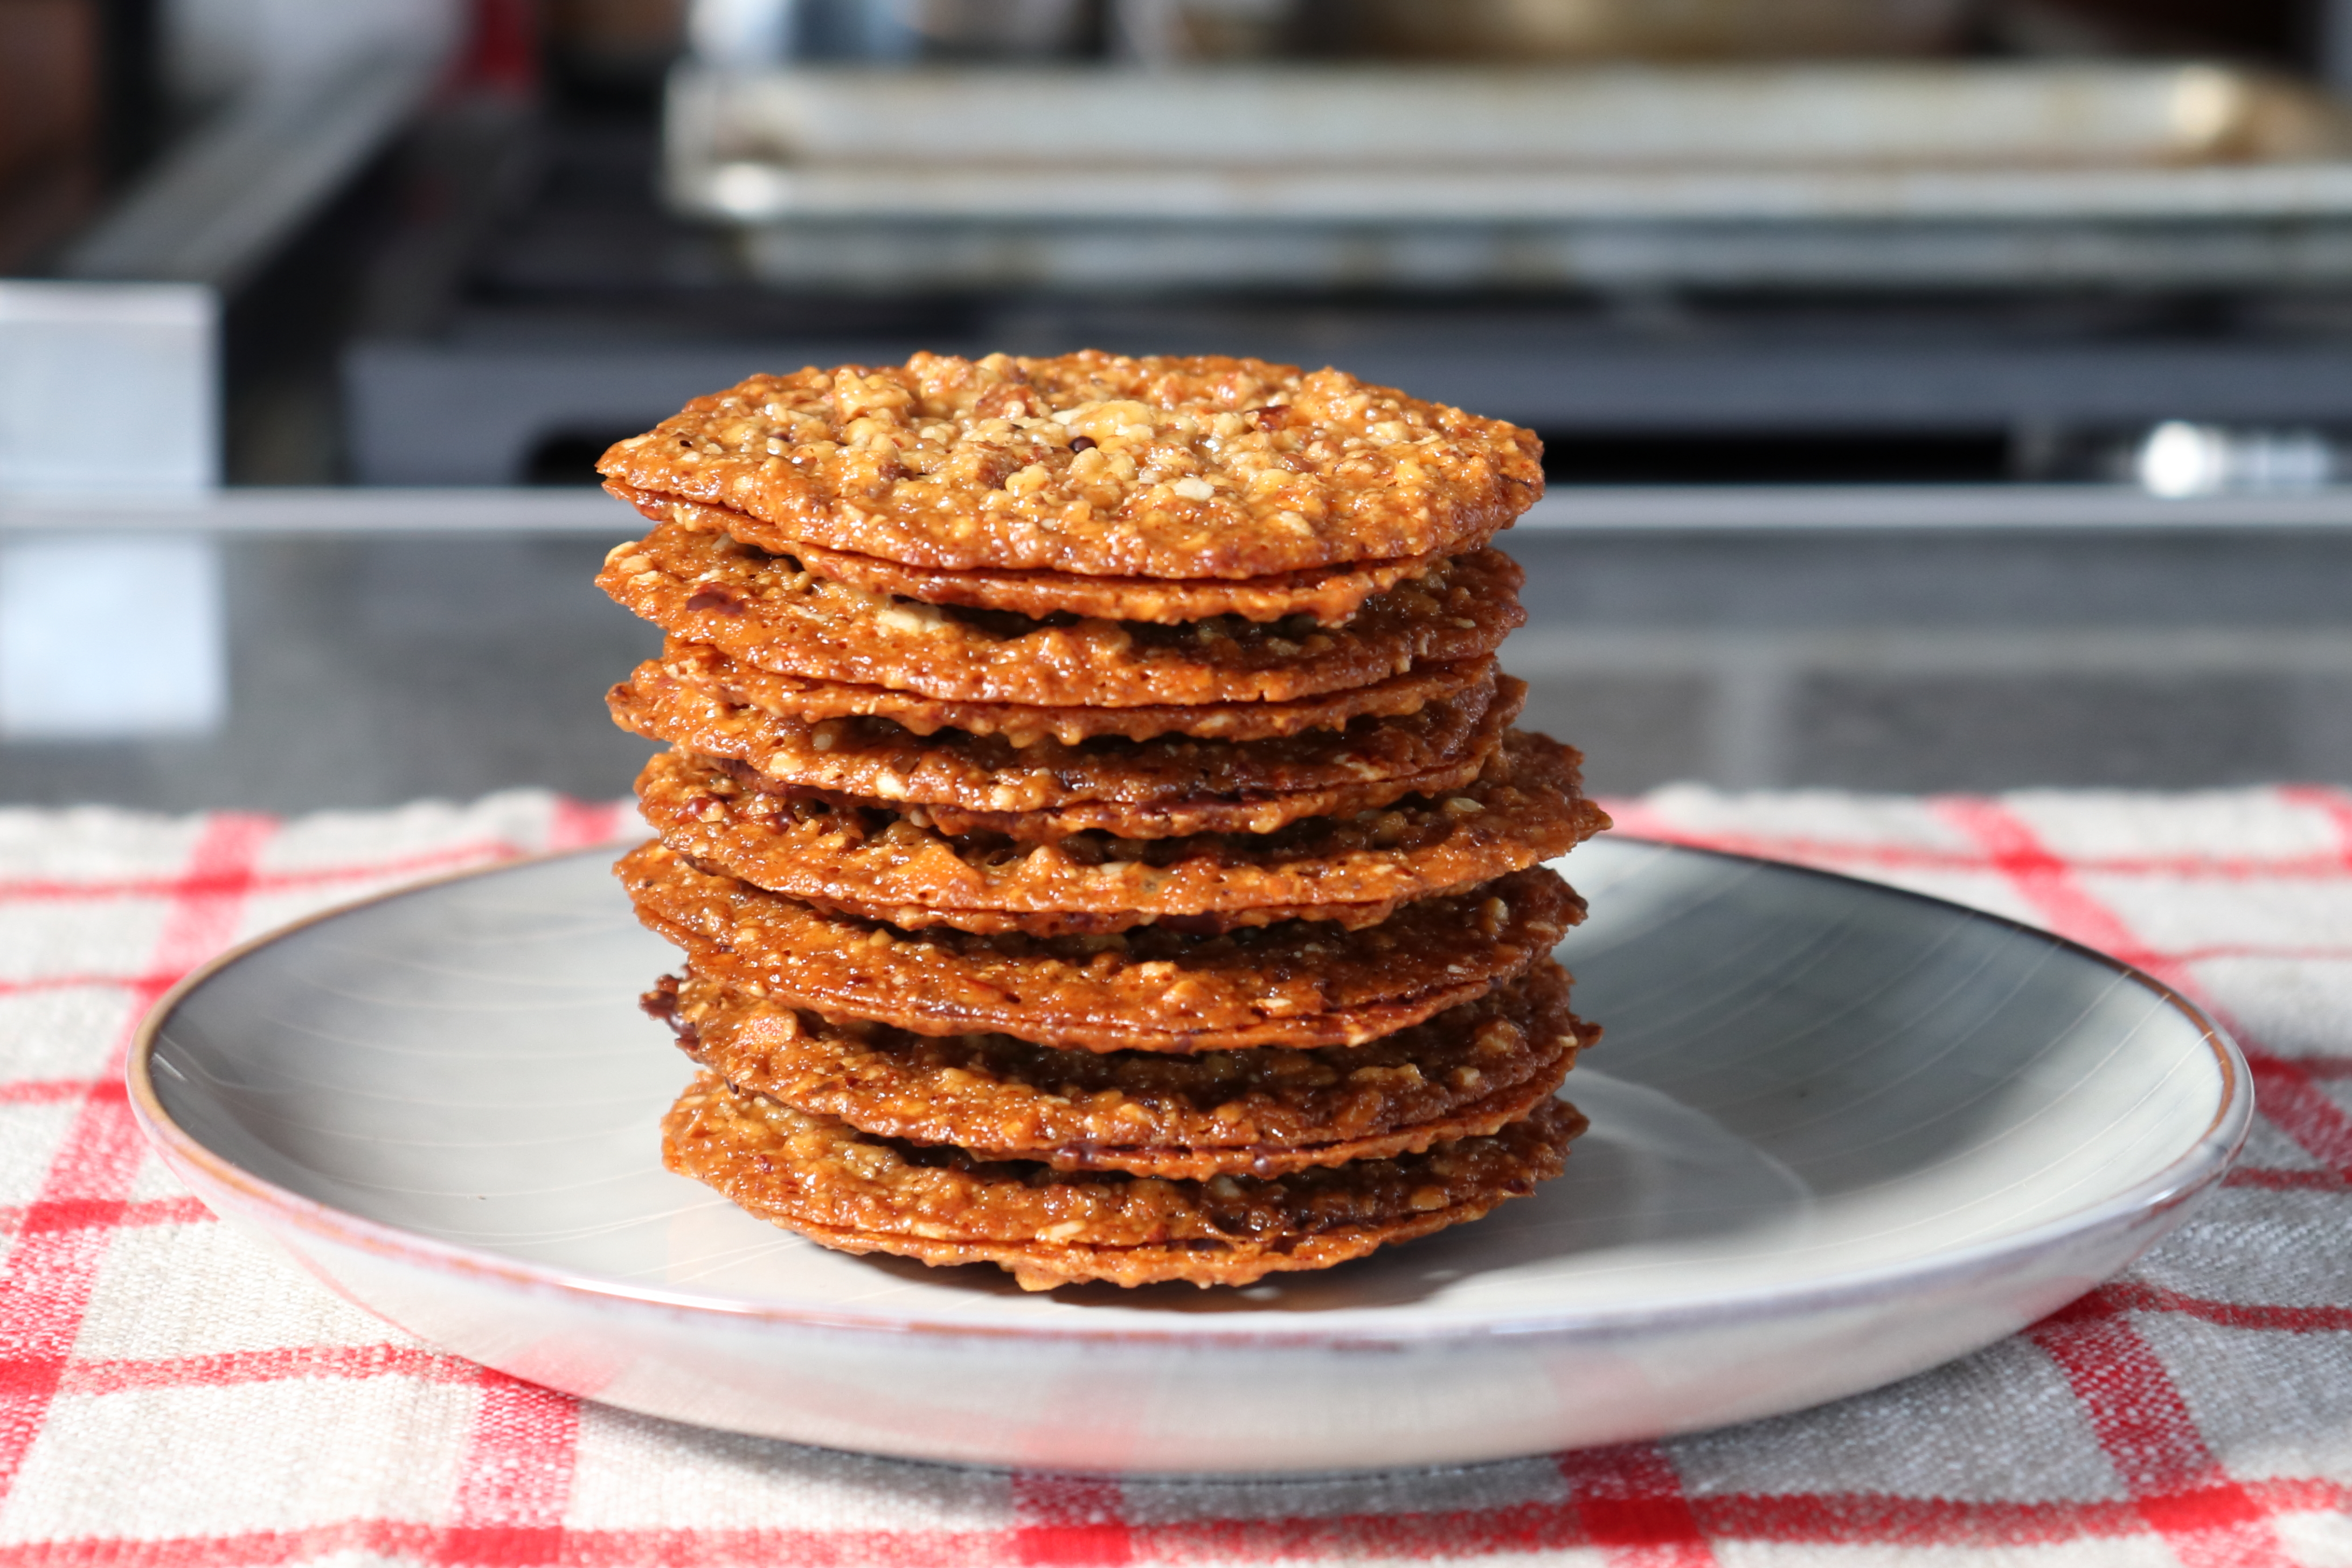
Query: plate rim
x,y
2198,1168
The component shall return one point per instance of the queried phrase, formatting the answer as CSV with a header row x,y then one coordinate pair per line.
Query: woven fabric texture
x,y
174,1395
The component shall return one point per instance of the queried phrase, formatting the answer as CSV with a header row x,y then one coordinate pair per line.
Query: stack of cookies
x,y
1092,817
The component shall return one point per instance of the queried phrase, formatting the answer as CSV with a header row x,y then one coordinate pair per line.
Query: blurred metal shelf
x,y
1862,176
2219,248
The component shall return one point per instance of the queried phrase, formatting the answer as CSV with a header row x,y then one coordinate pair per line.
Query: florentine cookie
x,y
730,681
767,611
1302,983
1329,593
1165,789
1092,465
1525,808
1092,817
845,1189
1175,819
1264,1112
1207,786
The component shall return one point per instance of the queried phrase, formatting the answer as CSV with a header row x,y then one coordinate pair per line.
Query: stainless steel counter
x,y
381,646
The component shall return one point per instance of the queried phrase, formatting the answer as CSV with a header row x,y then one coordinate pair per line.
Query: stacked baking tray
x,y
1316,178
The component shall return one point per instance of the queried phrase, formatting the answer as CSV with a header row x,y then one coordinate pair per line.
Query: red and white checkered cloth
x,y
170,1395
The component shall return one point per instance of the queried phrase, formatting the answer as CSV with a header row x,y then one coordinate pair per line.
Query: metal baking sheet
x,y
1867,173
1327,121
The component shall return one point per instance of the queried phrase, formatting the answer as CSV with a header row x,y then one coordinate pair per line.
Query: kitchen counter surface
x,y
380,647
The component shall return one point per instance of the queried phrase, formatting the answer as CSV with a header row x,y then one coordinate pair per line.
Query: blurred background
x,y
1938,395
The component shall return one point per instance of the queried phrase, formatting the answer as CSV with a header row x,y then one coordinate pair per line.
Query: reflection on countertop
x,y
365,671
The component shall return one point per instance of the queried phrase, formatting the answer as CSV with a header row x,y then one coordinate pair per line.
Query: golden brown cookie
x,y
1227,785
1092,465
730,681
1329,593
1165,788
1525,808
1308,982
1264,1112
845,1189
769,612
1177,819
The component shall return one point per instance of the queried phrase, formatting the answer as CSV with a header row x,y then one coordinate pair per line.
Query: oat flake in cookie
x,y
1092,819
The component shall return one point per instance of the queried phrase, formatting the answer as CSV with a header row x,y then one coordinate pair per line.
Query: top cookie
x,y
1095,465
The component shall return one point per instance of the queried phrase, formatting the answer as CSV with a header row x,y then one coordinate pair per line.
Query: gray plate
x,y
1841,1134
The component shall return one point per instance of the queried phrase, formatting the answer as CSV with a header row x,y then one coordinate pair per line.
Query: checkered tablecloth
x,y
172,1396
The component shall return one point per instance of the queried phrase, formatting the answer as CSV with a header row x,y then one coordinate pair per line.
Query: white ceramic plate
x,y
1840,1133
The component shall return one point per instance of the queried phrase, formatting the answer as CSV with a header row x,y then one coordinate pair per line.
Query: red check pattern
x,y
173,1397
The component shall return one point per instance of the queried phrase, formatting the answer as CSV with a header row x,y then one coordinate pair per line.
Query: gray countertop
x,y
382,646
